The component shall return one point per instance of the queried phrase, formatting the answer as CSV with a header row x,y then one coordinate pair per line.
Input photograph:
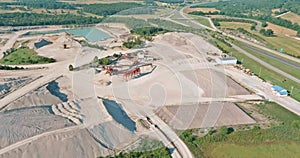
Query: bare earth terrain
x,y
88,113
204,115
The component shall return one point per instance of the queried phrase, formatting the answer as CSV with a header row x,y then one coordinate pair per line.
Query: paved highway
x,y
292,64
266,64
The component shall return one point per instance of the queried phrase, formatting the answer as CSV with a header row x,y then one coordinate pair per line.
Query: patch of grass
x,y
148,32
235,25
284,137
133,42
161,153
201,20
146,147
24,56
264,150
290,46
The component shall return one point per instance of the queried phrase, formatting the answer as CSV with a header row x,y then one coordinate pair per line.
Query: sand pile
x,y
22,123
111,134
76,144
54,92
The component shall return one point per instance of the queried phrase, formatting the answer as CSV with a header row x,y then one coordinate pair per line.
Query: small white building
x,y
226,60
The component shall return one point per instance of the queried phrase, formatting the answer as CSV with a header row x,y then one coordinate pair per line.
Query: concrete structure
x,y
226,60
279,91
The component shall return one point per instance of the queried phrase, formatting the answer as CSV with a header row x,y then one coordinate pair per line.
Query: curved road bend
x,y
237,38
180,145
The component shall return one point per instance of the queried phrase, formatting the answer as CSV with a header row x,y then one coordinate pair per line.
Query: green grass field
x,y
201,20
290,46
264,150
25,56
265,74
235,25
280,140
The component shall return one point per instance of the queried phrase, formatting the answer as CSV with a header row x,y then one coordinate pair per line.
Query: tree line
x,y
29,19
46,4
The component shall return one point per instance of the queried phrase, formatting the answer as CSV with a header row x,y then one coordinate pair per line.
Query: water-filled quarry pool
x,y
90,34
119,115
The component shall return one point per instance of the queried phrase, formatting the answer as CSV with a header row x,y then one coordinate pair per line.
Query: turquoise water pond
x,y
90,34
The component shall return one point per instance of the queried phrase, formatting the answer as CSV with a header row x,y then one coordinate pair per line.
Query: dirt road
x,y
171,135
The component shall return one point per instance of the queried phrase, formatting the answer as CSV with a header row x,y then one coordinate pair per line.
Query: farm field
x,y
279,30
292,17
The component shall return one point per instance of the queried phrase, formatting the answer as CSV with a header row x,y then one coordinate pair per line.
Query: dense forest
x,y
29,4
258,9
61,14
25,16
254,7
30,19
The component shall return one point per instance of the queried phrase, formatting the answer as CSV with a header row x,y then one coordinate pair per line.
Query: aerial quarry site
x,y
110,89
